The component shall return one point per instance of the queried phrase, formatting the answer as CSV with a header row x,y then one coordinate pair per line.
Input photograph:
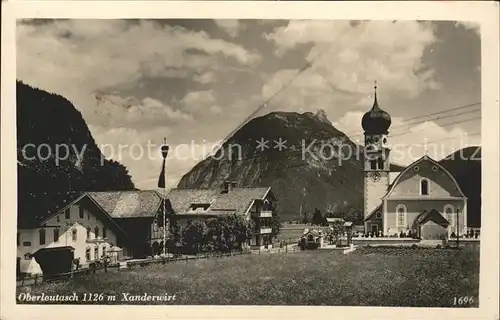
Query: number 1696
x,y
461,301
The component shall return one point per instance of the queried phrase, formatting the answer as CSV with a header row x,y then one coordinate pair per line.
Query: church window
x,y
380,163
434,168
373,164
401,215
416,168
424,187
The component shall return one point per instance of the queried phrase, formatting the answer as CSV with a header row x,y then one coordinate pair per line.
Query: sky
x,y
194,81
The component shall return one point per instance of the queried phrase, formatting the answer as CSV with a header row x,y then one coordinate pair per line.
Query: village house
x,y
407,202
137,213
253,203
92,225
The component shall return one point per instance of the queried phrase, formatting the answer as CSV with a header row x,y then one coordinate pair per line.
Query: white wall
x,y
65,238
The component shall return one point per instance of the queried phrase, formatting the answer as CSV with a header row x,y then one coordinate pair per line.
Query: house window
x,y
26,243
96,252
401,215
41,234
104,251
96,231
73,234
378,215
373,164
104,232
66,214
57,218
18,239
87,254
424,187
81,212
56,235
88,233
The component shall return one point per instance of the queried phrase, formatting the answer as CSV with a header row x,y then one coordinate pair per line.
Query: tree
x,y
305,218
276,223
193,236
317,218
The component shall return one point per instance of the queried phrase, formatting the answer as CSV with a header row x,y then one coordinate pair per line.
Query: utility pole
x,y
164,152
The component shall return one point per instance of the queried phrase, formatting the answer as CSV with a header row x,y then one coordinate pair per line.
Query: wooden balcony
x,y
262,214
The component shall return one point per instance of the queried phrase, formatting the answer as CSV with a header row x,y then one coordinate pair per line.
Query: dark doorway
x,y
374,229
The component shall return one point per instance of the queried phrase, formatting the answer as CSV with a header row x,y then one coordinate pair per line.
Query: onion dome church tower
x,y
375,123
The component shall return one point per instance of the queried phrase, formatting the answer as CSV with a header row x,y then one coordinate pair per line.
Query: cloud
x,y
205,78
470,25
230,26
198,102
90,61
89,55
346,59
426,137
114,111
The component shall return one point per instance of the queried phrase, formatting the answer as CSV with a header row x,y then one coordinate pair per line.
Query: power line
x,y
308,65
359,133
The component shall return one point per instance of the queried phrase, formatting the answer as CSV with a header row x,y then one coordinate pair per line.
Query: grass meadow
x,y
366,277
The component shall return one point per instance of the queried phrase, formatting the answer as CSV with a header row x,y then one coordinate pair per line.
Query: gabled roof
x,y
238,200
424,158
432,215
105,215
42,205
379,207
128,204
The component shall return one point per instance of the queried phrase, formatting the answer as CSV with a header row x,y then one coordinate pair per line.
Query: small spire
x,y
375,102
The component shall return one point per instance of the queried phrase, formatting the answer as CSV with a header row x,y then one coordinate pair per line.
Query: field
x,y
366,277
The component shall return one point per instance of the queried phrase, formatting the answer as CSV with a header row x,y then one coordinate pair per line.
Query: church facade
x,y
424,199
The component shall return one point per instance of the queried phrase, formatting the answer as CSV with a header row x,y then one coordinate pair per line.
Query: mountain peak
x,y
321,115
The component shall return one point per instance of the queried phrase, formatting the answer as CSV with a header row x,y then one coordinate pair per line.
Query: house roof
x,y
379,207
86,197
237,201
424,158
432,215
128,204
42,205
314,232
334,219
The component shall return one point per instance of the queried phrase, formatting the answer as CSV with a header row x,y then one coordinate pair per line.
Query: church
x,y
423,199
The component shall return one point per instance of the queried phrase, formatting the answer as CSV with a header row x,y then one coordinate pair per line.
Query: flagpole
x,y
164,152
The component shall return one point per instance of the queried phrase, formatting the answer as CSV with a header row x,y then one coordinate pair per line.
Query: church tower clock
x,y
375,123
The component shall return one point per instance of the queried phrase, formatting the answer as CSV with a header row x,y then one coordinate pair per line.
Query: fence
x,y
39,279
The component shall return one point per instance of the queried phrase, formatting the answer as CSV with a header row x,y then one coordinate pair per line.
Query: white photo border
x,y
485,13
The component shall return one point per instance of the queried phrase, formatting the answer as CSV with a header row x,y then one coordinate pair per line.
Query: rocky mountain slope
x,y
312,172
45,123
